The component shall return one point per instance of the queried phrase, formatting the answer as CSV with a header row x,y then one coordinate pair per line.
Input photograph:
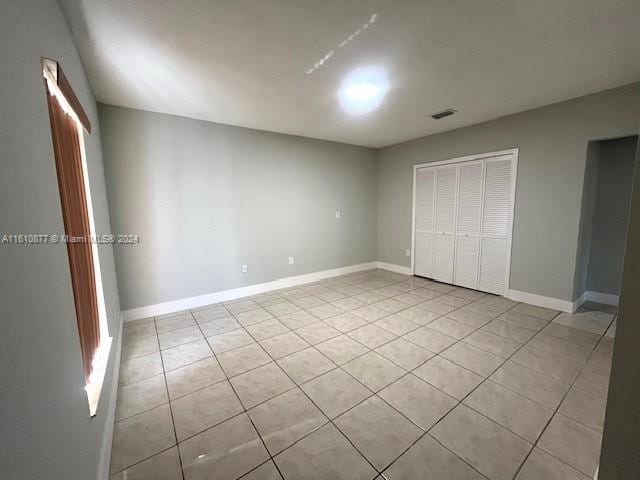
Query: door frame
x,y
468,158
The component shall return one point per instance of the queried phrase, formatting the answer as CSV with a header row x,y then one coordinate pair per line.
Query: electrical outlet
x,y
244,268
291,260
407,252
338,214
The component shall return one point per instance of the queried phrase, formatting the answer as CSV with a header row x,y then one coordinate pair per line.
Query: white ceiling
x,y
244,62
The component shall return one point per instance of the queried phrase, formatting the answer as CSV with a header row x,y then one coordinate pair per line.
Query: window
x,y
68,124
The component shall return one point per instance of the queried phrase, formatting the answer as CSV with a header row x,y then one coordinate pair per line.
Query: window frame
x,y
94,351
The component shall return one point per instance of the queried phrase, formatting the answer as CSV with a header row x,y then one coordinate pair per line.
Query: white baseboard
x,y
392,267
577,303
541,301
107,437
563,305
601,297
226,295
597,297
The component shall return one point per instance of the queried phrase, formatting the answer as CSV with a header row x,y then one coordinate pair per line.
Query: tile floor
x,y
372,375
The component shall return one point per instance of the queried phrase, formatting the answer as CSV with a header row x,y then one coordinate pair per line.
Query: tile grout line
x,y
375,393
369,350
152,408
403,291
338,367
409,372
482,382
202,388
166,386
272,360
556,412
459,402
330,421
264,445
426,432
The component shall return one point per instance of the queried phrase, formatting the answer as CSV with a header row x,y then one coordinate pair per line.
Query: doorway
x,y
604,219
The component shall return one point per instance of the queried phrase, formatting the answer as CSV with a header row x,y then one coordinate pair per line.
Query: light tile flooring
x,y
370,375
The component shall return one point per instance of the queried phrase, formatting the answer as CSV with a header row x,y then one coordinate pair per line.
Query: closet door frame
x,y
468,158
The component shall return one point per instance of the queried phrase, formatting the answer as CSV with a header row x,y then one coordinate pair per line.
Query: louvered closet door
x,y
496,228
423,248
446,191
467,237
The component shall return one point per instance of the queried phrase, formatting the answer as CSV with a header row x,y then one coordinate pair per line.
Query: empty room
x,y
302,240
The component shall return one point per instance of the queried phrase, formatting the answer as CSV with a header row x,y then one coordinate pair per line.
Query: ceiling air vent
x,y
444,113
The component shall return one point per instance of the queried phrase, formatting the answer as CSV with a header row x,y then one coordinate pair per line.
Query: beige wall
x,y
611,214
206,198
585,234
619,458
552,144
45,428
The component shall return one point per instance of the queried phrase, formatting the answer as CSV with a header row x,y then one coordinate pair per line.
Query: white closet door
x,y
467,236
444,245
496,227
423,247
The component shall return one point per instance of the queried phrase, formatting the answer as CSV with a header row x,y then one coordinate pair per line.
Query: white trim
x,y
541,300
512,213
469,158
577,303
601,297
392,267
107,437
454,232
412,268
597,297
226,295
483,182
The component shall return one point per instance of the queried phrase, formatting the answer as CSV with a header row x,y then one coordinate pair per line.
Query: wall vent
x,y
444,113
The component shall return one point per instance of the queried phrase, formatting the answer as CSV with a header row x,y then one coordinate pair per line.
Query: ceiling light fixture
x,y
363,90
